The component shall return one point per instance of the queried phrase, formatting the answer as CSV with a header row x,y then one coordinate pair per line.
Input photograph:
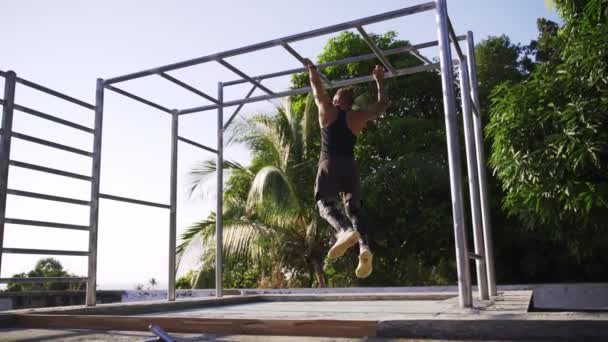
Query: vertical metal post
x,y
173,207
481,168
220,191
449,106
5,147
95,182
473,183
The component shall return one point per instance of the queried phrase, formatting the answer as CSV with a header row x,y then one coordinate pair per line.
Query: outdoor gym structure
x,y
480,216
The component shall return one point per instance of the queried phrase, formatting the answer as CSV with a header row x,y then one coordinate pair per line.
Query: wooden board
x,y
317,328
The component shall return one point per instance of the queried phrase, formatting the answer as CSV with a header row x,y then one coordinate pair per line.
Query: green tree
x,y
550,140
499,60
269,217
47,267
403,163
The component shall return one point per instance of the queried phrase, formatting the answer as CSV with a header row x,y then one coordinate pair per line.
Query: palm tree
x,y
269,217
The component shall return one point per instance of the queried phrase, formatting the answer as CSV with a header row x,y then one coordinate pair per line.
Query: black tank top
x,y
337,139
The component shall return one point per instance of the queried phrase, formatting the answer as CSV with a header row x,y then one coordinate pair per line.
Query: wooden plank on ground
x,y
317,328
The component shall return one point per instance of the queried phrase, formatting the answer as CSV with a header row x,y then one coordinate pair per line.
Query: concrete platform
x,y
342,315
70,335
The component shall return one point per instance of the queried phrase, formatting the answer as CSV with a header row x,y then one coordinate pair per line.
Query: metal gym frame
x,y
475,157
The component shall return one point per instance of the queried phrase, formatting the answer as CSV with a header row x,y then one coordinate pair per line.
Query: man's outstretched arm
x,y
359,119
326,110
378,108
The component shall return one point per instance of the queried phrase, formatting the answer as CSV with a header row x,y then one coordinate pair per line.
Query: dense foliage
x,y
550,141
47,267
547,142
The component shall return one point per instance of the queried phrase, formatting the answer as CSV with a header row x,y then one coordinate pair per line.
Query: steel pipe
x,y
47,197
187,87
481,169
276,42
454,39
5,147
341,61
91,295
44,251
449,105
173,207
134,201
303,61
219,247
335,84
45,224
193,143
140,99
49,170
372,45
53,118
471,157
244,76
238,109
51,144
55,93
43,280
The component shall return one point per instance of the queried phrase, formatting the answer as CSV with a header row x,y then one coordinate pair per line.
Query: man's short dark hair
x,y
347,93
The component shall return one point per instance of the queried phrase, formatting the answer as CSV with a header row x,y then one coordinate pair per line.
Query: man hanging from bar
x,y
337,174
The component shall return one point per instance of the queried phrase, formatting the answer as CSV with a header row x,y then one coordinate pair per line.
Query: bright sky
x,y
67,44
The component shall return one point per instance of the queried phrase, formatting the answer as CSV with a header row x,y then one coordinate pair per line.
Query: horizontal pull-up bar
x,y
238,109
43,251
473,106
379,54
474,256
44,280
244,76
54,93
134,201
454,39
52,118
335,84
140,99
276,42
342,61
193,143
46,197
187,87
51,144
45,224
303,61
49,170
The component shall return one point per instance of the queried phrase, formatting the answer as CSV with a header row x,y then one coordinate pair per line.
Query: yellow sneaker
x,y
364,269
345,240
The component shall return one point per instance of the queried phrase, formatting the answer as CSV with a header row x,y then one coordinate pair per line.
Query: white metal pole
x,y
449,105
481,168
173,207
91,298
473,184
220,190
10,83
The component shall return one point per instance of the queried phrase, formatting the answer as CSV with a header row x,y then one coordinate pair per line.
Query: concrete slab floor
x,y
72,335
330,310
509,303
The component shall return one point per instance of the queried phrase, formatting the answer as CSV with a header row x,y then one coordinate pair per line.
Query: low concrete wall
x,y
44,299
570,297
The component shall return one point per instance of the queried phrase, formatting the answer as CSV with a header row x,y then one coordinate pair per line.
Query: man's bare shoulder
x,y
327,114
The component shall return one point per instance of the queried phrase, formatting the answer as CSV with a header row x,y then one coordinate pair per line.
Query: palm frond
x,y
273,197
240,237
194,234
200,174
310,120
269,135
